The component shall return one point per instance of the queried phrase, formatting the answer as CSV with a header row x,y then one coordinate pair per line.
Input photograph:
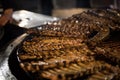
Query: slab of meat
x,y
84,46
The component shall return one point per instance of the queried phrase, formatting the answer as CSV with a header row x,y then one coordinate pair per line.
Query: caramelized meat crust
x,y
85,46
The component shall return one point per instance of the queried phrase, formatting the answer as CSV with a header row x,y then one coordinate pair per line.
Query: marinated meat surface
x,y
49,47
85,46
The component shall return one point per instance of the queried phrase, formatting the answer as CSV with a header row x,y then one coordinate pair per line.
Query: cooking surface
x,y
7,45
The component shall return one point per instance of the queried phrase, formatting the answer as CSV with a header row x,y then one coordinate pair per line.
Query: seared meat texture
x,y
84,46
94,25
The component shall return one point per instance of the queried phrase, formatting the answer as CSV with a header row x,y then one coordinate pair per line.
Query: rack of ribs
x,y
84,46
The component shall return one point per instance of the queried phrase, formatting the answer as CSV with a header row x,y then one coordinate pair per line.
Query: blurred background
x,y
58,8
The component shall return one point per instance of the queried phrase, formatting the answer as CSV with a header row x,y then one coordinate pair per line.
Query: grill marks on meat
x,y
60,51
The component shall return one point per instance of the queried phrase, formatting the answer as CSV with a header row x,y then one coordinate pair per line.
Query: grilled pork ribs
x,y
85,46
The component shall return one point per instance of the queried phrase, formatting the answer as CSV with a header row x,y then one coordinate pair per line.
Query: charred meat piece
x,y
84,46
92,26
83,27
88,26
50,47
